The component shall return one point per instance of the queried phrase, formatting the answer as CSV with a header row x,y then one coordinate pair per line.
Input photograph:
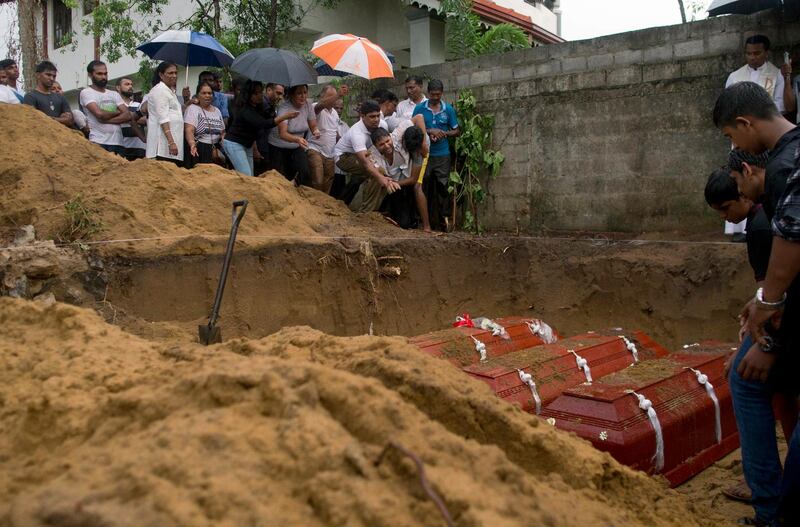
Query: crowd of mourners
x,y
395,158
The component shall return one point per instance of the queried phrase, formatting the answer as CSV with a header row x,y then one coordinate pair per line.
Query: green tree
x,y
124,24
281,16
466,37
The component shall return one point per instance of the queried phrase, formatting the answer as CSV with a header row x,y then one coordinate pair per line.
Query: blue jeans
x,y
752,404
790,499
241,157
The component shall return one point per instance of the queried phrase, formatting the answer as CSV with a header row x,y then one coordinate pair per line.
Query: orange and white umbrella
x,y
356,55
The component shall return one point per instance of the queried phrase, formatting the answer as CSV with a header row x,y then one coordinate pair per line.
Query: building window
x,y
62,24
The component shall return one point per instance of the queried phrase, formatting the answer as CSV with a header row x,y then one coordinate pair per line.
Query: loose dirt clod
x,y
98,427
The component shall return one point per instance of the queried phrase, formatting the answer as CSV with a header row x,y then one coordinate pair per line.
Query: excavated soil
x,y
102,428
167,209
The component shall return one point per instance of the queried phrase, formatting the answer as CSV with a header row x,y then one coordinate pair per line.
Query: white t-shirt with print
x,y
208,124
108,100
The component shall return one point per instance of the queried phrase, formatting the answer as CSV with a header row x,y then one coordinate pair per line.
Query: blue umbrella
x,y
323,68
187,48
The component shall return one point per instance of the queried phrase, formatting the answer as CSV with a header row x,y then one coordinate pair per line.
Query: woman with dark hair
x,y
289,140
247,119
204,128
165,116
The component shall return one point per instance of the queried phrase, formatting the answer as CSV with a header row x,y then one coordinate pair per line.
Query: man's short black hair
x,y
119,81
738,157
721,187
743,99
93,64
205,73
416,79
758,39
45,65
6,63
378,134
413,139
383,95
435,85
368,107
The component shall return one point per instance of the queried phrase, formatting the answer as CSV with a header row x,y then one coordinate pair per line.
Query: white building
x,y
411,29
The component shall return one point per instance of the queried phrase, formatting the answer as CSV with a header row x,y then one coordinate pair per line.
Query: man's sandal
x,y
739,492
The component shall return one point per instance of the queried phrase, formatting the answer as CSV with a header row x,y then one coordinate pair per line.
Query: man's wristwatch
x,y
760,302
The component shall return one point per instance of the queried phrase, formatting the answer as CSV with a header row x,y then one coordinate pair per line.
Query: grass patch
x,y
81,221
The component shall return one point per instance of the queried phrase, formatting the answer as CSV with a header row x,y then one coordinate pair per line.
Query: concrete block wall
x,y
612,133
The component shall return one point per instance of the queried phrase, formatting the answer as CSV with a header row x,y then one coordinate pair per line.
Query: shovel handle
x,y
241,207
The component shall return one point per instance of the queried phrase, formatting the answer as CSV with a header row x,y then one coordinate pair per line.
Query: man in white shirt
x,y
415,96
7,95
759,70
12,74
321,162
351,151
105,110
387,101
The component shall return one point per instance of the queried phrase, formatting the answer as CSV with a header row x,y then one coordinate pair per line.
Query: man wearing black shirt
x,y
44,99
746,114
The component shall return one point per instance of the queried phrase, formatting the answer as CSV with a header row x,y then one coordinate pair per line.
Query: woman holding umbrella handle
x,y
165,116
248,118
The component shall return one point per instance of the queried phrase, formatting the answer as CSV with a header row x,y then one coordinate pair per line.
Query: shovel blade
x,y
209,334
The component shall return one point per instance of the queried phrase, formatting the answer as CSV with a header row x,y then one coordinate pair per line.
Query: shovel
x,y
210,333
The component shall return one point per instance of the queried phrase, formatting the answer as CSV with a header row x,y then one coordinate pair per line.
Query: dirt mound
x,y
101,428
46,166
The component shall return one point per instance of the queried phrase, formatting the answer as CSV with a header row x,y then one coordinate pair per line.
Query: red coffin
x,y
457,345
553,368
610,415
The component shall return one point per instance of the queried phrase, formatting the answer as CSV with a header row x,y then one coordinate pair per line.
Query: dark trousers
x,y
131,154
175,162
292,163
437,176
401,207
114,149
205,153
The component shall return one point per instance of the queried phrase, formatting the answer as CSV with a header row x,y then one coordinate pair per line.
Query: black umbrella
x,y
274,65
740,7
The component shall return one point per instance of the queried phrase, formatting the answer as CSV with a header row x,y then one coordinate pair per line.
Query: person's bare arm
x,y
188,133
123,117
137,129
312,126
101,115
326,102
283,133
784,266
65,118
388,183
